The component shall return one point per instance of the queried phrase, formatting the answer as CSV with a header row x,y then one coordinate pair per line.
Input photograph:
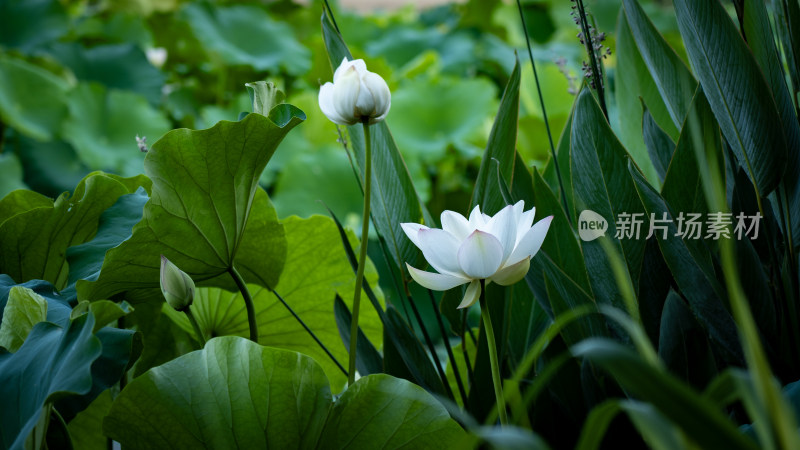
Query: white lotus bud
x,y
356,95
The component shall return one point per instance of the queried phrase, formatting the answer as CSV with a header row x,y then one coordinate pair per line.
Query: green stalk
x,y
248,303
593,60
193,321
496,380
362,253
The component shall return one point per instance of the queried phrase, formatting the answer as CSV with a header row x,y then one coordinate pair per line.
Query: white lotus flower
x,y
355,94
496,249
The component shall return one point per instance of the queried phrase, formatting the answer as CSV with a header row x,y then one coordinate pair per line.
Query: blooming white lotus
x,y
496,249
356,94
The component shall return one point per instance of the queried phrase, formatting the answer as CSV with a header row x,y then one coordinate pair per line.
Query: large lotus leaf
x,y
23,310
103,125
246,35
20,201
204,187
316,270
26,25
380,411
31,99
232,394
741,99
428,116
52,363
309,182
33,243
120,66
86,429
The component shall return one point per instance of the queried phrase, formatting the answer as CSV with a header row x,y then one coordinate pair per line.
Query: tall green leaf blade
x,y
232,393
741,99
204,186
692,275
659,144
683,344
673,79
380,411
394,199
599,163
656,430
758,32
563,157
561,245
500,148
697,417
639,88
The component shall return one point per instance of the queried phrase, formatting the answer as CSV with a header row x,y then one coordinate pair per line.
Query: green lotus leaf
x,y
246,35
205,201
381,411
233,393
33,242
237,394
316,270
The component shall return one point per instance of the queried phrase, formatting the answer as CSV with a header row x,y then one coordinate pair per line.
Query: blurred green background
x,y
79,80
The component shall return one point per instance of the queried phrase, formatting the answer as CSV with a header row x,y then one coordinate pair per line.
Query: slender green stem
x,y
248,303
362,253
593,60
197,331
498,382
310,333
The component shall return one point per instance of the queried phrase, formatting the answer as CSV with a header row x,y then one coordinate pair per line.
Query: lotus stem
x,y
195,326
362,253
496,379
248,303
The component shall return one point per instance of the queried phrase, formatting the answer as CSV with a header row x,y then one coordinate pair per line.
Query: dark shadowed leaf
x,y
599,163
740,99
697,417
